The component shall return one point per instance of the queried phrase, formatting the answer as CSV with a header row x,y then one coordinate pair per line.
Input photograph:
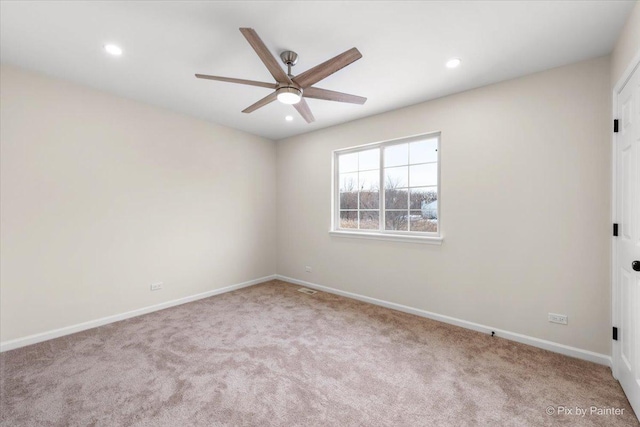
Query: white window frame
x,y
382,234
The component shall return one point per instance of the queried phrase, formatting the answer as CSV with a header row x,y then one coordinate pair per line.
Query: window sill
x,y
427,240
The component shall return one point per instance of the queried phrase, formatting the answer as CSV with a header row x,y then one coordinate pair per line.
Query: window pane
x,y
423,175
395,177
396,199
349,200
369,199
422,197
369,159
396,155
420,223
369,189
348,163
369,220
396,220
349,219
423,151
349,182
369,180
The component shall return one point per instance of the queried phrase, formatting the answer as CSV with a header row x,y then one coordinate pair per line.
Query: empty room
x,y
319,213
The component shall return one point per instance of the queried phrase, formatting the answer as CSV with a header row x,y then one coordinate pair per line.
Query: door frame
x,y
615,315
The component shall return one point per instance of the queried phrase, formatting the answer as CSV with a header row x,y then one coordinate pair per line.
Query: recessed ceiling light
x,y
113,49
454,63
289,118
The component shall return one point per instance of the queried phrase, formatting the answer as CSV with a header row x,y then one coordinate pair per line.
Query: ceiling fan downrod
x,y
290,58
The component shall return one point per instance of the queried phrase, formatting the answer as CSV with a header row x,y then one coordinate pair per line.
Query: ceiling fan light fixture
x,y
289,95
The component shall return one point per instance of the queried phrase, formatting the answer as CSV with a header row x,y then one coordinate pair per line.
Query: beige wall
x,y
102,196
524,205
627,46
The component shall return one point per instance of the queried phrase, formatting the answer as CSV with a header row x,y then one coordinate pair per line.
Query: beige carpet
x,y
271,356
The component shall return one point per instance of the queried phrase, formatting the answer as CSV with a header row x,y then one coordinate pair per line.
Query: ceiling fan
x,y
291,89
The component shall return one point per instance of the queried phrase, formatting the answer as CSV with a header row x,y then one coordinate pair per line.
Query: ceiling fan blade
x,y
241,81
330,95
319,72
264,101
267,58
305,111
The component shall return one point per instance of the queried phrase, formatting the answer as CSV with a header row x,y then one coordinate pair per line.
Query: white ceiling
x,y
404,47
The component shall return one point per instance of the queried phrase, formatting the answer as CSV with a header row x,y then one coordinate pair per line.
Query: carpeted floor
x,y
271,356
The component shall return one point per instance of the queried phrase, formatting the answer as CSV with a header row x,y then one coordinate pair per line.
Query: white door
x,y
627,260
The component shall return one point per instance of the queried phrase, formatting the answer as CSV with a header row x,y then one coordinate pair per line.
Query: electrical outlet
x,y
307,269
563,319
156,286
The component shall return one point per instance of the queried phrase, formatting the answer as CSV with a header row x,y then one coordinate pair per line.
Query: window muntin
x,y
407,170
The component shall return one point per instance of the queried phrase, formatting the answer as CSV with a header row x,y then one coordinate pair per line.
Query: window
x,y
407,172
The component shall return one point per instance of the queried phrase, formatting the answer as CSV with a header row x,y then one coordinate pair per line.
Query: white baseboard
x,y
536,342
56,333
591,356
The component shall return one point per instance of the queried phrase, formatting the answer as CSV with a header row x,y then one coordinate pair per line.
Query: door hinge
x,y
615,333
615,230
615,126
